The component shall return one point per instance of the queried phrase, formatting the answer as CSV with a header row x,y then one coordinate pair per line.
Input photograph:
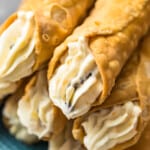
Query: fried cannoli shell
x,y
144,140
111,41
65,140
54,21
133,84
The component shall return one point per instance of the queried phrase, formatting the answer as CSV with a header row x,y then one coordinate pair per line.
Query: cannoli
x,y
120,120
11,120
85,66
29,36
36,111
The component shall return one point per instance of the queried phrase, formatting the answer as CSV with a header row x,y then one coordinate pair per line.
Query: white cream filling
x,y
76,83
17,43
20,132
35,111
15,127
109,127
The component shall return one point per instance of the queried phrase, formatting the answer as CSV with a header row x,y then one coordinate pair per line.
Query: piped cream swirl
x,y
76,83
17,44
34,109
109,127
12,121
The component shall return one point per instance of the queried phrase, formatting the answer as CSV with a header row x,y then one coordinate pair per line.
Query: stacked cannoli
x,y
78,73
84,68
29,36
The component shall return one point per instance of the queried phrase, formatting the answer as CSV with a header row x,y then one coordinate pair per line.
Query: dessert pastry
x,y
85,66
36,111
29,36
120,120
